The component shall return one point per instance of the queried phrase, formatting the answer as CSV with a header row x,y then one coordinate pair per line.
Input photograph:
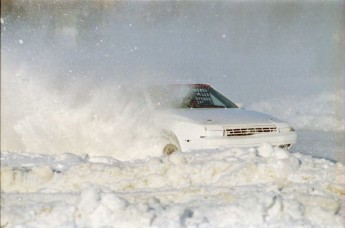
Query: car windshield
x,y
189,96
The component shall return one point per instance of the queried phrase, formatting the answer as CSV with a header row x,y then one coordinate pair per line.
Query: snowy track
x,y
237,187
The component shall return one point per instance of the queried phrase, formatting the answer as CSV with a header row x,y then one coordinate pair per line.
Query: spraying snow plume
x,y
61,88
99,121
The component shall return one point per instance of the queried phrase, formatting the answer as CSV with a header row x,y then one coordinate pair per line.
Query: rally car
x,y
197,116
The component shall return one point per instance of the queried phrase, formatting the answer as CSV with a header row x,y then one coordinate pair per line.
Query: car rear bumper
x,y
278,139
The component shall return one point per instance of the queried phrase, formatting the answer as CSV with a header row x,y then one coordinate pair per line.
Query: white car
x,y
196,116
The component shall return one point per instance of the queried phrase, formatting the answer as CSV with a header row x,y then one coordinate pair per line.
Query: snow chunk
x,y
280,153
177,158
265,150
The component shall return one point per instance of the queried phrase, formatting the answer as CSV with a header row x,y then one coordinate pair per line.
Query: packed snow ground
x,y
221,188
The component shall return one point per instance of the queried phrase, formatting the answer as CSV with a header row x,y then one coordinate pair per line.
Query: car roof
x,y
191,85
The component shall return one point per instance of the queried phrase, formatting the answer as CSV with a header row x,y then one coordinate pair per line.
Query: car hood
x,y
230,116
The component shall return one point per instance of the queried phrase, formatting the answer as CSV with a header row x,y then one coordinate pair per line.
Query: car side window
x,y
216,101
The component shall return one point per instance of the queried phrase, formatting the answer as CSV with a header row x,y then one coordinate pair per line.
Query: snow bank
x,y
233,187
324,112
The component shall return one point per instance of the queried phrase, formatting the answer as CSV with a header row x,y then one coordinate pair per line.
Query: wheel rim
x,y
169,149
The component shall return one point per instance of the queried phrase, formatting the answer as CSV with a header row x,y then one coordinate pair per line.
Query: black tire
x,y
285,146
